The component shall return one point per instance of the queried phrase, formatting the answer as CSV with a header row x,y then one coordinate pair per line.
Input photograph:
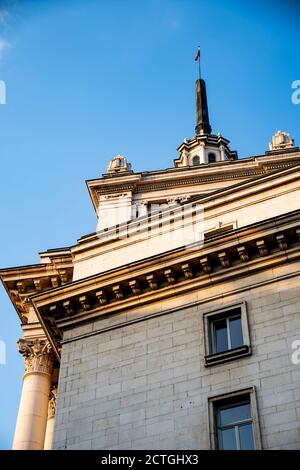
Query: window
x,y
234,421
226,334
196,160
212,157
234,427
218,231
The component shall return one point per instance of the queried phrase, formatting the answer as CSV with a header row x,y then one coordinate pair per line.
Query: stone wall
x,y
136,381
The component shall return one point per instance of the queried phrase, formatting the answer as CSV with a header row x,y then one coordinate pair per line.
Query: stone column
x,y
142,208
222,150
51,419
33,410
203,158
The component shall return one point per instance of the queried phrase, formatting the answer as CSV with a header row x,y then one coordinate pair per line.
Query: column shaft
x,y
49,433
33,411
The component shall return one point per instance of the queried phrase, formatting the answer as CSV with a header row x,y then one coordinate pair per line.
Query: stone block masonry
x,y
144,385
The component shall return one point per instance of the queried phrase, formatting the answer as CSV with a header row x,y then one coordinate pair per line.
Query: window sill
x,y
219,358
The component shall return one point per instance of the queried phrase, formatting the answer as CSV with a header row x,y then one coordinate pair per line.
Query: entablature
x,y
238,252
187,178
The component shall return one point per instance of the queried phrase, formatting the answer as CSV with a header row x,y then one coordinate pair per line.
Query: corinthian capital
x,y
38,355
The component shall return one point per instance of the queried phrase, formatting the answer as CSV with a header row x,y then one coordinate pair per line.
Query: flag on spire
x,y
197,55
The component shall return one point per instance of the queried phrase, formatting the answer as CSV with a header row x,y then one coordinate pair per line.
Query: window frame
x,y
214,358
234,398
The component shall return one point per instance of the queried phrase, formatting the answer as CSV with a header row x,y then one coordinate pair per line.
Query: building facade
x,y
176,324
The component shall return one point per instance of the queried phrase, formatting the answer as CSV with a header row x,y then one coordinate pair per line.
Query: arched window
x,y
196,160
212,157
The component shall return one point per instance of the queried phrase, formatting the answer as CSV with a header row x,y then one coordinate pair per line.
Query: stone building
x,y
175,325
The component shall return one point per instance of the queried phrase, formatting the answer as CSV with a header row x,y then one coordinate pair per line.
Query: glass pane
x,y
227,439
246,437
220,335
234,414
236,334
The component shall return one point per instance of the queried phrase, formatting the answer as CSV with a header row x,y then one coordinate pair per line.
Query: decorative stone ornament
x,y
52,402
119,164
281,140
38,355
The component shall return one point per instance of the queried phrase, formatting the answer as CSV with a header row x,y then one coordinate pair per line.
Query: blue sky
x,y
89,79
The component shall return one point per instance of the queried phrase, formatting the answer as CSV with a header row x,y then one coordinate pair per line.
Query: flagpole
x,y
199,63
198,58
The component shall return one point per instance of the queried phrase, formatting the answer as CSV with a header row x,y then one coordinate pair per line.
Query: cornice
x,y
184,176
203,300
187,180
206,138
218,172
22,282
110,185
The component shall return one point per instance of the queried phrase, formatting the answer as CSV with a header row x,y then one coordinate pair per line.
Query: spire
x,y
203,126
